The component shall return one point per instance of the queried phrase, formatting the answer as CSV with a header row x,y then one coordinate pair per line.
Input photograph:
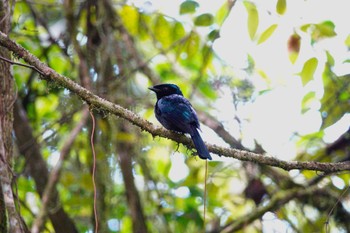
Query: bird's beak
x,y
153,89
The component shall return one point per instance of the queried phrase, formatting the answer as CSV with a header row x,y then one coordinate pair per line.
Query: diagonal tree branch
x,y
320,198
276,202
101,104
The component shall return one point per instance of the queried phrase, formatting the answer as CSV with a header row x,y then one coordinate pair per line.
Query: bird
x,y
176,113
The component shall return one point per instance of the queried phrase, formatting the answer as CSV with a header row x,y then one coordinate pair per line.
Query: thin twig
x,y
331,211
21,64
94,170
205,194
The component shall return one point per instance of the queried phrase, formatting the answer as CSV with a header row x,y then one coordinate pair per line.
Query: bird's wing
x,y
178,111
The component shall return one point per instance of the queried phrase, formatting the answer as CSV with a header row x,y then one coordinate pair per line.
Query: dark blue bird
x,y
176,113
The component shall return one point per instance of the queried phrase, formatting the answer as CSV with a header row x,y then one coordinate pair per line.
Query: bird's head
x,y
162,90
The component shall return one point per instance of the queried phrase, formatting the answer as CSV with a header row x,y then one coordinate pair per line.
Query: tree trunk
x,y
125,151
7,98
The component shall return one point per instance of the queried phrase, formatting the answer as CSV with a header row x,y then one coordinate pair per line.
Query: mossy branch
x,y
97,102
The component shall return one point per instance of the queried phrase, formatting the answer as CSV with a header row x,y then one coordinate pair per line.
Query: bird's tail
x,y
202,149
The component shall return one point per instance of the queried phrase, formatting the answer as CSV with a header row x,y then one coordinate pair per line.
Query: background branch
x,y
274,203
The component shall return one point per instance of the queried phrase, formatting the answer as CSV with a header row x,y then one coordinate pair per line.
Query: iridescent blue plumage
x,y
176,113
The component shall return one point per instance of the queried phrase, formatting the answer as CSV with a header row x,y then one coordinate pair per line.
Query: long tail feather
x,y
202,149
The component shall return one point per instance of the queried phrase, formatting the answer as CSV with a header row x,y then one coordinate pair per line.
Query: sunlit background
x,y
275,119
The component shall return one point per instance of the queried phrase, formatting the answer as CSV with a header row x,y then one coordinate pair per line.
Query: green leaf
x,y
330,59
336,98
130,17
264,76
58,62
204,20
267,33
320,31
253,18
162,31
143,31
47,106
207,90
281,6
293,56
222,13
213,35
305,27
264,91
192,45
308,70
207,57
178,31
325,29
251,64
188,7
347,41
306,102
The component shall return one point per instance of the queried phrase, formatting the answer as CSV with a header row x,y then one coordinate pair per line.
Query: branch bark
x,y
101,104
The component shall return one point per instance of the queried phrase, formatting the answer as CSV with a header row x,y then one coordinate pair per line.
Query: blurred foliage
x,y
123,48
319,31
253,18
307,73
281,6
